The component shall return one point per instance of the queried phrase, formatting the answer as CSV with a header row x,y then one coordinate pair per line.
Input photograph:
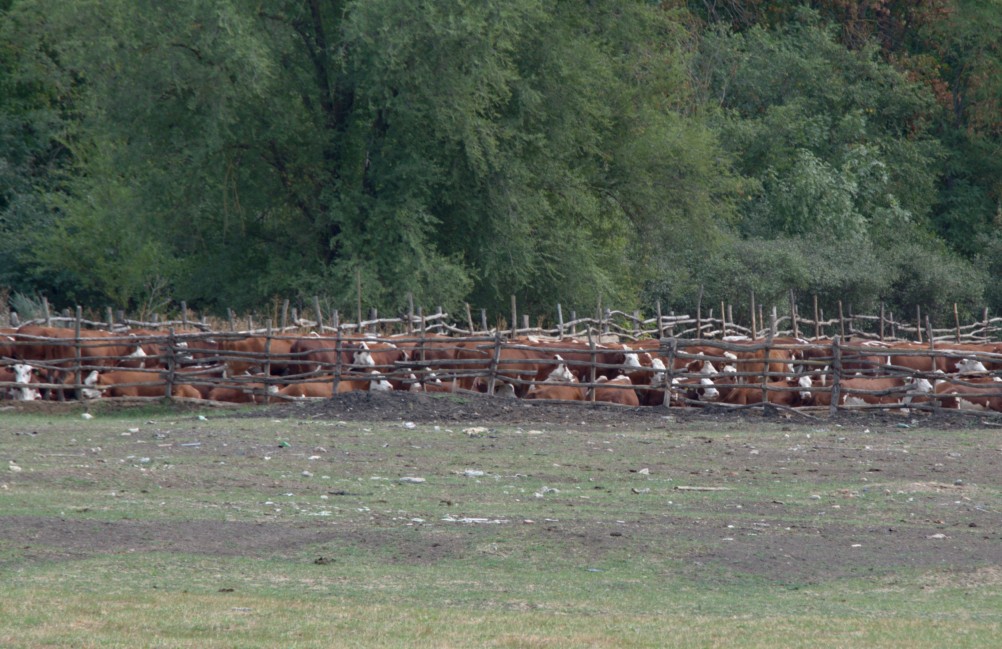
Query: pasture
x,y
445,521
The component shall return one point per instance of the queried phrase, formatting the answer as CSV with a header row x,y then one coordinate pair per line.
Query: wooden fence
x,y
178,363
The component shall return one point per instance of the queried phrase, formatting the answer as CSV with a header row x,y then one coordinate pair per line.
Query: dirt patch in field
x,y
937,518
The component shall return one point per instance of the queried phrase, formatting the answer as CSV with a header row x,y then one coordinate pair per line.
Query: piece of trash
x,y
475,430
475,521
203,418
410,425
936,536
307,474
284,444
473,473
14,467
192,444
904,426
644,471
640,491
87,415
133,430
411,480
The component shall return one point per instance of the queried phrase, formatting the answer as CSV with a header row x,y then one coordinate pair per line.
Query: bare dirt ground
x,y
946,514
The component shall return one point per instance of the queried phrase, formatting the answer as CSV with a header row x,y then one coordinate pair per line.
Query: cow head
x,y
379,385
363,356
561,374
970,366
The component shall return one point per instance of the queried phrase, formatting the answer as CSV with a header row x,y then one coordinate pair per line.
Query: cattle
x,y
130,383
23,375
650,383
239,392
515,366
890,390
248,355
617,390
560,384
969,397
687,391
7,342
558,392
791,392
579,357
431,383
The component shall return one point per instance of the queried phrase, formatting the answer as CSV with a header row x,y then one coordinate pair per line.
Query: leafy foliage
x,y
232,153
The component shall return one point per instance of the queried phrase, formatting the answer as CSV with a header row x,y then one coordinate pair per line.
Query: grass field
x,y
153,528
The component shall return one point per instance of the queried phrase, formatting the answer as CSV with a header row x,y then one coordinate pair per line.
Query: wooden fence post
x,y
358,296
560,321
836,376
841,320
670,366
661,331
918,323
723,319
881,321
483,320
469,317
767,357
319,314
793,314
754,332
337,360
171,373
514,318
78,370
699,313
956,321
266,367
591,371
410,313
817,319
492,370
285,315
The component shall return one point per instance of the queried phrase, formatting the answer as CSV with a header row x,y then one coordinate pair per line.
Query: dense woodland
x,y
235,153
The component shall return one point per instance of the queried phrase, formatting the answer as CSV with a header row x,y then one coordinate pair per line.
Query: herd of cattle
x,y
41,362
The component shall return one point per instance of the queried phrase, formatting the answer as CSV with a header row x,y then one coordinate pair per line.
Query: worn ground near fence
x,y
940,489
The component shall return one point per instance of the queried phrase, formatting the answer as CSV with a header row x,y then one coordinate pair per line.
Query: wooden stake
x,y
817,319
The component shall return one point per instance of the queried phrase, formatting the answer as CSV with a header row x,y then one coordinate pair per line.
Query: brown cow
x,y
130,383
790,392
616,391
987,396
899,390
248,354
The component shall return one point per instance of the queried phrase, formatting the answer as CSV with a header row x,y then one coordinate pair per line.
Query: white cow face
x,y
379,385
363,357
632,360
805,384
561,374
660,372
709,392
970,366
